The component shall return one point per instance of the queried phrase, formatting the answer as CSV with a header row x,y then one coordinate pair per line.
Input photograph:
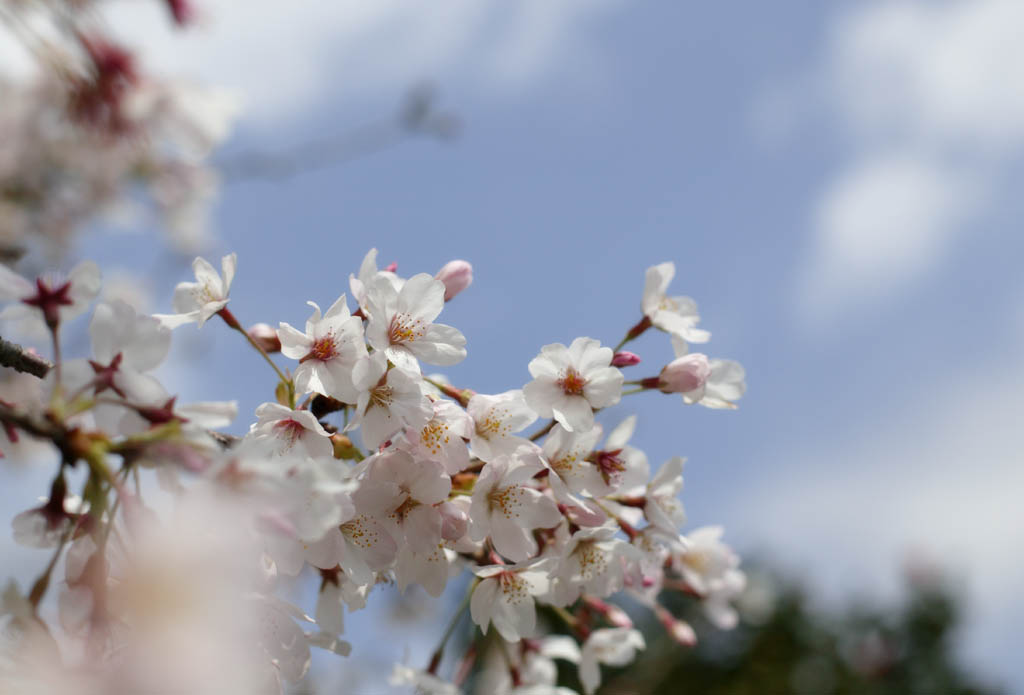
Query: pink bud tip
x,y
456,276
181,10
685,374
266,337
625,359
392,267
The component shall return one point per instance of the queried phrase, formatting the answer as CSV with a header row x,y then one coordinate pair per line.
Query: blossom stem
x,y
461,395
634,332
636,390
435,659
568,618
259,348
542,431
54,332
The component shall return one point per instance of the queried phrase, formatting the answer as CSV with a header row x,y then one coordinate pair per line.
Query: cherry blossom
x,y
404,491
284,429
54,299
611,646
496,419
506,508
360,284
389,400
327,351
198,301
443,482
443,438
570,383
401,323
593,560
505,597
675,315
710,567
713,383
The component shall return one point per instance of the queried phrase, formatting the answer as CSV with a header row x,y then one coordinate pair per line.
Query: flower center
x,y
434,436
323,348
513,587
493,425
360,533
381,396
592,559
609,464
289,430
405,329
572,382
404,508
506,500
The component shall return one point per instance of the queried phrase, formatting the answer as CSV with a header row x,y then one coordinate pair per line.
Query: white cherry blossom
x,y
285,430
401,323
360,284
505,597
663,508
443,438
389,401
675,315
423,682
55,299
327,352
506,507
716,383
711,569
611,646
496,419
569,383
199,300
593,561
404,491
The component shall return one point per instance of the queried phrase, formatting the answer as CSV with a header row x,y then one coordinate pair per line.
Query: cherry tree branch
x,y
18,358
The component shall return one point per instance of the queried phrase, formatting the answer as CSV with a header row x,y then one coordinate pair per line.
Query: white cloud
x,y
881,224
285,58
929,98
940,474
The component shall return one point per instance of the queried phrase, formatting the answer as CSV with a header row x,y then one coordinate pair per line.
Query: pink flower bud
x,y
181,10
679,630
266,337
454,521
456,276
685,374
625,359
392,267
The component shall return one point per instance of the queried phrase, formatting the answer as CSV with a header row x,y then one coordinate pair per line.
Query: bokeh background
x,y
837,183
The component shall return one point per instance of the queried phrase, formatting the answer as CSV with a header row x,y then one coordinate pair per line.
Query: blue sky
x,y
834,182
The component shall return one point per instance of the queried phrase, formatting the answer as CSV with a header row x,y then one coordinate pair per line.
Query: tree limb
x,y
16,357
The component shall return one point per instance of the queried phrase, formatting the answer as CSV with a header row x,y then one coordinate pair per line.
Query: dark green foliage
x,y
864,650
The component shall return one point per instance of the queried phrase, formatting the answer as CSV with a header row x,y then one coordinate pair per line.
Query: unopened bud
x,y
266,337
612,613
456,276
344,449
392,267
181,10
679,630
685,374
454,521
625,359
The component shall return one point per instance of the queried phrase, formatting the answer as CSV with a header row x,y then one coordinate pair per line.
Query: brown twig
x,y
18,358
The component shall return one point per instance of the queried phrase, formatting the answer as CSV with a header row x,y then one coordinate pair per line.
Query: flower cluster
x,y
367,472
90,128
